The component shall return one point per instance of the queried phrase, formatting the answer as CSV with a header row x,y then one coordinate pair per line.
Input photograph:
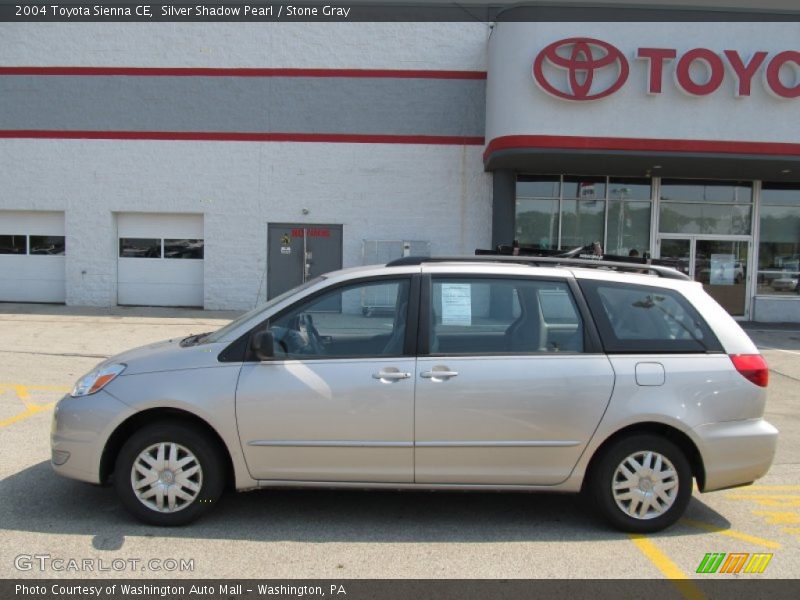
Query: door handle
x,y
390,375
435,374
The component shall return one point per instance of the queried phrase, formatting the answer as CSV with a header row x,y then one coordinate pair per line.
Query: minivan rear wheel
x,y
642,483
169,474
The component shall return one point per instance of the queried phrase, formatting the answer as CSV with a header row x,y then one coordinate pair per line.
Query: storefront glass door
x,y
719,264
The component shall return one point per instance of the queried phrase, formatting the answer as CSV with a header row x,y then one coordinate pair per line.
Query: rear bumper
x,y
736,452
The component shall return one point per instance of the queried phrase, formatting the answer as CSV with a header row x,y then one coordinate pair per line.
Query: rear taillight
x,y
753,367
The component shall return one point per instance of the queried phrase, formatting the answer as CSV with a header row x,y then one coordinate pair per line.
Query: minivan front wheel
x,y
642,483
169,474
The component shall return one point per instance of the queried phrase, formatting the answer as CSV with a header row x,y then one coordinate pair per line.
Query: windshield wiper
x,y
195,339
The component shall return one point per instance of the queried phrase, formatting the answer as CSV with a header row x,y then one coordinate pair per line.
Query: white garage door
x,y
160,259
32,256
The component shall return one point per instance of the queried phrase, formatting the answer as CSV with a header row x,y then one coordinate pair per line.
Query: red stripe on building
x,y
562,142
222,72
213,136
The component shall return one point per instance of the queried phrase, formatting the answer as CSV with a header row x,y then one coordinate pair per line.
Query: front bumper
x,y
81,427
736,452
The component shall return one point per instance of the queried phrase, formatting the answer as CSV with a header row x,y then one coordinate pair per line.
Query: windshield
x,y
219,334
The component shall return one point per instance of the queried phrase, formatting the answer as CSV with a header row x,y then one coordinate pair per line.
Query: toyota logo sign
x,y
581,59
581,68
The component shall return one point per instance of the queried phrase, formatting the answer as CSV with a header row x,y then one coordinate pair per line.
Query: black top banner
x,y
374,11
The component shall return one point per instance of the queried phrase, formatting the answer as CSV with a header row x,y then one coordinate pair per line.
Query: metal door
x,y
32,261
297,252
160,259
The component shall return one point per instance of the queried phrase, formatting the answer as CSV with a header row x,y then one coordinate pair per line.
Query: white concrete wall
x,y
437,193
377,191
445,46
777,309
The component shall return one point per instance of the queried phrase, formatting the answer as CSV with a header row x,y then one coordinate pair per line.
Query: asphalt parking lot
x,y
336,534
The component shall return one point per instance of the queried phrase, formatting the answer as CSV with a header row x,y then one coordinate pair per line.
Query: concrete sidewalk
x,y
9,310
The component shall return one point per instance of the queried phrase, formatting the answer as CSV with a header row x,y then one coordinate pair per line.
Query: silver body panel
x,y
519,420
81,427
207,392
504,422
327,420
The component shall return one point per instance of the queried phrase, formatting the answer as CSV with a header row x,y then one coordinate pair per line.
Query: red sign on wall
x,y
312,232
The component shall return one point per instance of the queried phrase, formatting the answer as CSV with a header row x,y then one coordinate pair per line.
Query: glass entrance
x,y
719,264
679,250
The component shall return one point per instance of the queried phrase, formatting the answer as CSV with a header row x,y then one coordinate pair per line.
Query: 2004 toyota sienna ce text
x,y
437,374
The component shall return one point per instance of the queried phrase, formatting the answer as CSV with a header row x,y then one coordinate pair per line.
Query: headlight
x,y
96,380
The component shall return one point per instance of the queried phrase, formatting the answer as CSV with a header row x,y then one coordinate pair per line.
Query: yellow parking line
x,y
770,500
776,517
31,410
23,393
767,488
745,537
39,388
667,567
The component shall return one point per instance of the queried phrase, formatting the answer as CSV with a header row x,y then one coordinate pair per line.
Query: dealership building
x,y
216,165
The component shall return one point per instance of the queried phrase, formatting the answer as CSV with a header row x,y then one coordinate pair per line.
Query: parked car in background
x,y
507,373
786,283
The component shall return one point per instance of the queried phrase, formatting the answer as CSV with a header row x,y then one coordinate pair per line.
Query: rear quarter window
x,y
644,319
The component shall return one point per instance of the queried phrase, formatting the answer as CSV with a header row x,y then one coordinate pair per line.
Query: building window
x,y
572,211
13,244
537,211
139,248
779,239
183,249
583,211
53,245
152,248
629,213
705,207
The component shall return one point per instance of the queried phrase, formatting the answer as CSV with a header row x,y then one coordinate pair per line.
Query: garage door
x,y
32,251
160,259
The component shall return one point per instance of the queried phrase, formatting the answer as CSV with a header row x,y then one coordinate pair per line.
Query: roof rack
x,y
545,261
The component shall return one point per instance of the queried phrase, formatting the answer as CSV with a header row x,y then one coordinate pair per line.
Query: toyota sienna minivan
x,y
481,373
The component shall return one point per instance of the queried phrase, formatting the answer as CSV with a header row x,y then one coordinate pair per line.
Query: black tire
x,y
208,456
602,480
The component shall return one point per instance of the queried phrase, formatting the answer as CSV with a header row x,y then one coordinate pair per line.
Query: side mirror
x,y
263,345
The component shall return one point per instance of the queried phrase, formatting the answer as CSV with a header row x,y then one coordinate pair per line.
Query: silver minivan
x,y
444,374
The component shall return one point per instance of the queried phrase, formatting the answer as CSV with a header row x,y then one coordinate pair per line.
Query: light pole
x,y
622,193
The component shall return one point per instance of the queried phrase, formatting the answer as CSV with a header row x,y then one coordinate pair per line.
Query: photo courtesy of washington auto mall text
x,y
399,299
176,590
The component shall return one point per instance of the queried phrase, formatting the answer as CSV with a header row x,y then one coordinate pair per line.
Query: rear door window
x,y
636,318
478,316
